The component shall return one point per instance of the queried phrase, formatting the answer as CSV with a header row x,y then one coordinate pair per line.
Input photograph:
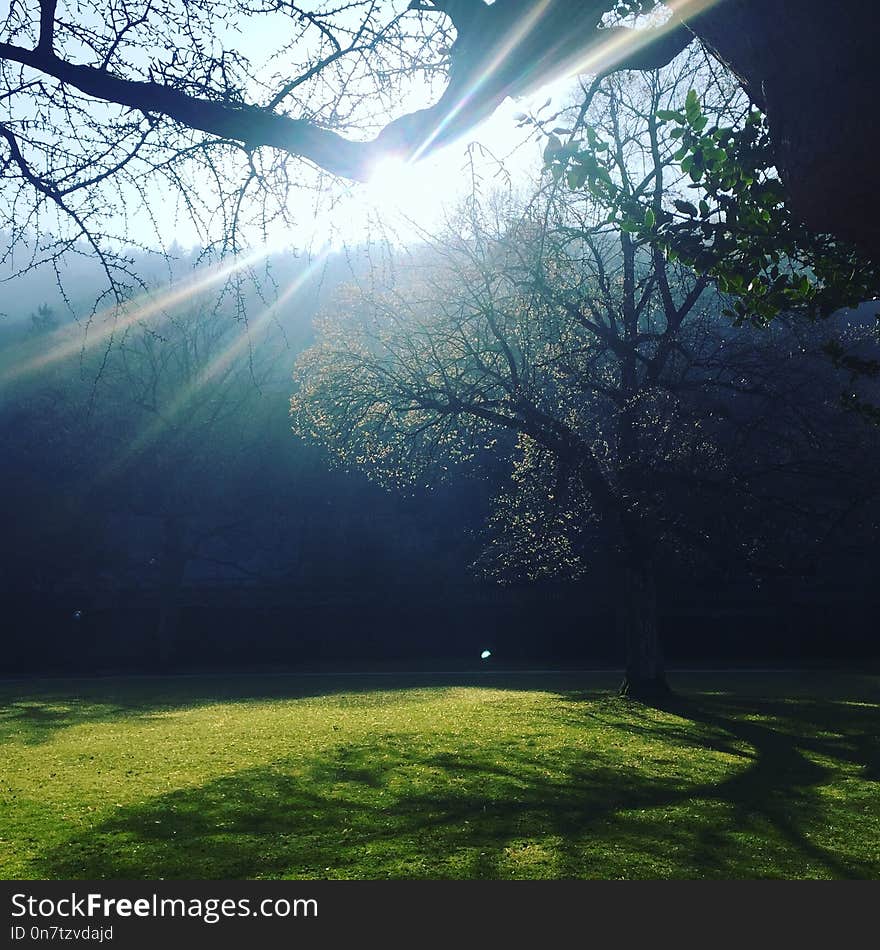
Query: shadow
x,y
800,745
709,785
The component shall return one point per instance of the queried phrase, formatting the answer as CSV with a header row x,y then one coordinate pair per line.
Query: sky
x,y
402,199
401,202
407,199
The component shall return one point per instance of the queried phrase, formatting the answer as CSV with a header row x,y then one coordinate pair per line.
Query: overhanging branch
x,y
506,48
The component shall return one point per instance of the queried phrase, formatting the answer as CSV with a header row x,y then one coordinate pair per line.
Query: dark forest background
x,y
158,513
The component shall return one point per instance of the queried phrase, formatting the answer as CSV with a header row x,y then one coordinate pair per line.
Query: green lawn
x,y
483,777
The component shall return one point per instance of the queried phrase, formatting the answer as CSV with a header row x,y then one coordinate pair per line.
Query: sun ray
x,y
111,322
603,55
619,46
514,38
183,400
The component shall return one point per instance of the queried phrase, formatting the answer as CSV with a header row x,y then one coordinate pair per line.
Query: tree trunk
x,y
172,570
637,617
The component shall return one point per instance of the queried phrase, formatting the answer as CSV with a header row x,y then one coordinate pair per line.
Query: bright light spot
x,y
412,190
485,655
392,178
406,198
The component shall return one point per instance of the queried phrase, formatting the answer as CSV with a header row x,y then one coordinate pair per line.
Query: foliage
x,y
128,122
44,320
624,411
538,521
737,228
178,92
165,427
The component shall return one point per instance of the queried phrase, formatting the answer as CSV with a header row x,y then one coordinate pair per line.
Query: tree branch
x,y
251,126
47,25
503,49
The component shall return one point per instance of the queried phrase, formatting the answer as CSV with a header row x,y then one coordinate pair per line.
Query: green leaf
x,y
692,106
650,219
552,147
576,176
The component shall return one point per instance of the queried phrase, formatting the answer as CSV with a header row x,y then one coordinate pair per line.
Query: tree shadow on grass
x,y
721,788
37,721
33,712
800,745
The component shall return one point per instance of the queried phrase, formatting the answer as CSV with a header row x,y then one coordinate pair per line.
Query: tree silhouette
x,y
638,421
108,102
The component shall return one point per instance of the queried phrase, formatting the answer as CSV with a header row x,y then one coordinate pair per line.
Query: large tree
x,y
101,92
643,422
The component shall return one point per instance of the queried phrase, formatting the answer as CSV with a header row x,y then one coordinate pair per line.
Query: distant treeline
x,y
790,623
157,512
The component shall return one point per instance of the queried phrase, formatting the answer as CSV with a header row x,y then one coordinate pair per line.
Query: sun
x,y
409,193
398,183
411,198
402,199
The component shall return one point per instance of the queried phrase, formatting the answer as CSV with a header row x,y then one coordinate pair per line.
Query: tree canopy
x,y
634,421
98,93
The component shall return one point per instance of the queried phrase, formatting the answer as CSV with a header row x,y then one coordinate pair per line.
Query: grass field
x,y
506,776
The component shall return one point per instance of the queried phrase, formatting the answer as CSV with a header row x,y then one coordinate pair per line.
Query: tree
x,y
640,417
138,84
188,419
44,320
806,66
143,477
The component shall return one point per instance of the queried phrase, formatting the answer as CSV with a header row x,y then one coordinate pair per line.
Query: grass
x,y
488,777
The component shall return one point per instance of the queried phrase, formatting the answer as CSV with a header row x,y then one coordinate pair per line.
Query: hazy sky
x,y
420,192
406,198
